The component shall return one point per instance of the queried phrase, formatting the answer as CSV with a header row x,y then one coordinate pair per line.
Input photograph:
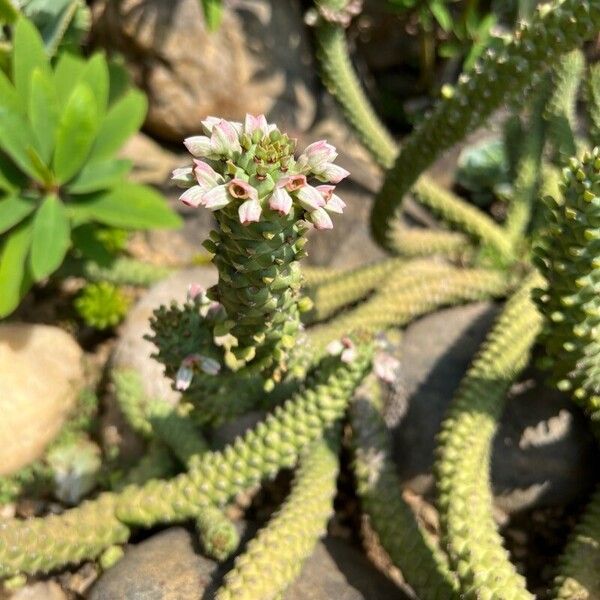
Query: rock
x,y
338,570
163,567
152,164
543,454
133,351
40,376
41,590
258,61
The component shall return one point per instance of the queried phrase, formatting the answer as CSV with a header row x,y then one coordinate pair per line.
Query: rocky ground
x,y
544,456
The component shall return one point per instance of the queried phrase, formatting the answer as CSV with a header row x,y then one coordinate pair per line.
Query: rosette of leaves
x,y
60,127
102,305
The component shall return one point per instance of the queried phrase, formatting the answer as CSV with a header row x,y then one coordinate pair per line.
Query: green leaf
x,y
123,119
11,178
99,175
43,112
95,74
442,16
17,140
13,259
44,174
120,81
8,95
8,12
213,13
13,210
51,237
76,132
28,53
128,205
66,74
85,240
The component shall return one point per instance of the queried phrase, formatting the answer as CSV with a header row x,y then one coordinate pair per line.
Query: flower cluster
x,y
251,166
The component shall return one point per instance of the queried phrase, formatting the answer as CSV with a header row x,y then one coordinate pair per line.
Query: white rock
x,y
40,375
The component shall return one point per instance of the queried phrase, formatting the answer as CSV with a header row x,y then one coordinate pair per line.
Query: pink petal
x,y
326,190
216,198
280,201
224,138
317,155
206,176
239,188
209,123
183,378
249,212
292,182
198,145
209,365
386,367
195,290
258,123
335,348
321,219
183,177
310,198
193,196
333,173
335,204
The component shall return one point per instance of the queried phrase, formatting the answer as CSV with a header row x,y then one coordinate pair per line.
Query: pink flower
x,y
292,182
259,123
224,138
317,155
216,198
206,176
310,198
332,173
209,123
280,201
193,196
321,219
386,367
209,365
198,145
195,290
250,211
183,177
343,348
239,188
333,203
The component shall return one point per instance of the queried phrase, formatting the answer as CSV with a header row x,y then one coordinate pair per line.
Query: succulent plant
x,y
60,128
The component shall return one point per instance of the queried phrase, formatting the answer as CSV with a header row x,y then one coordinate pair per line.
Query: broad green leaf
x,y
11,178
17,140
51,238
66,74
8,13
76,132
13,259
44,174
28,53
8,95
43,112
99,175
128,205
85,240
122,120
120,81
13,210
95,74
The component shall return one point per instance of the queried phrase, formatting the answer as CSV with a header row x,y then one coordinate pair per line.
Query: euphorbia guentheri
x,y
261,195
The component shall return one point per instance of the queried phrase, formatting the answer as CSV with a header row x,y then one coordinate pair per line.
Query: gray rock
x,y
163,567
41,373
133,351
338,570
258,61
41,590
543,454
